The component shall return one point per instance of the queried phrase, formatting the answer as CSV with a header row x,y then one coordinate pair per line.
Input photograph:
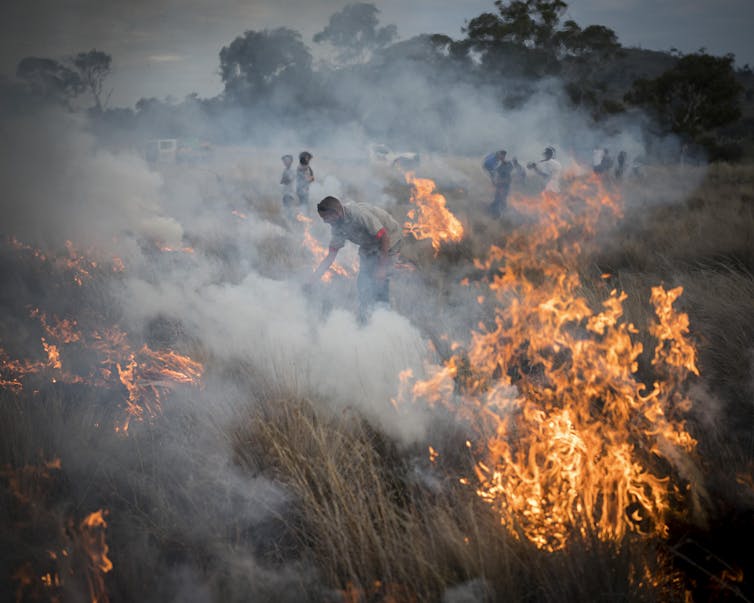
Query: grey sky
x,y
170,47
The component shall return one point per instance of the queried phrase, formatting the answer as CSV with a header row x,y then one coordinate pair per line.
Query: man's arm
x,y
324,265
535,167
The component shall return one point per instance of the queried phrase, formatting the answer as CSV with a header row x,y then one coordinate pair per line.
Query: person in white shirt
x,y
548,168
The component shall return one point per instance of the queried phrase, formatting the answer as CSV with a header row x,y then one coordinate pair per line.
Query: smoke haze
x,y
207,251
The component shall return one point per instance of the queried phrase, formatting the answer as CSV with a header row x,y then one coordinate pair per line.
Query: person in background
x,y
620,165
287,180
379,238
502,177
602,162
304,177
548,168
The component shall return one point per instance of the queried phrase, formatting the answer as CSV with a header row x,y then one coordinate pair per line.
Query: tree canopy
x,y
257,62
93,68
530,34
354,31
50,79
699,93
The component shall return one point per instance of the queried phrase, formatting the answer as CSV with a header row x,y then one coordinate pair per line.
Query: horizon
x,y
160,52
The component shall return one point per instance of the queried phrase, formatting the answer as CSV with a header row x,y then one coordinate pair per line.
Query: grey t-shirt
x,y
362,224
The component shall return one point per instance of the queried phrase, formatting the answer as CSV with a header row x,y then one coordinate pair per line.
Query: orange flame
x,y
319,252
79,265
567,428
431,219
145,374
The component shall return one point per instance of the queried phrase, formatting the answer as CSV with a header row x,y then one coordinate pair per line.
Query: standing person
x,y
379,238
304,177
602,162
620,165
286,185
490,164
548,168
502,178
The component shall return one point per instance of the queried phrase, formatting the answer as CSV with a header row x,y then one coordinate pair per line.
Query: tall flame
x,y
568,432
92,540
431,219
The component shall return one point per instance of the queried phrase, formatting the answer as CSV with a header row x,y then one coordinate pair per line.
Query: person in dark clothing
x,y
502,177
620,166
304,177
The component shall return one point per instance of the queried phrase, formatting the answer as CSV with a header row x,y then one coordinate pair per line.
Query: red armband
x,y
381,233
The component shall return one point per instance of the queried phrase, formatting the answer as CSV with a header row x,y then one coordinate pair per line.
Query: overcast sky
x,y
170,47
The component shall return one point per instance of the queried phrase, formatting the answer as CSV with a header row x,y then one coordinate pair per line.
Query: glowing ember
x,y
167,249
431,219
145,373
92,533
75,555
568,429
80,267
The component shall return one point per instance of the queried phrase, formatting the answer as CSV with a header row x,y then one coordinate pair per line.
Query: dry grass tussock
x,y
382,524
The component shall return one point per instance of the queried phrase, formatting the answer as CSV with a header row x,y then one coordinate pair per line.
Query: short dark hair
x,y
327,204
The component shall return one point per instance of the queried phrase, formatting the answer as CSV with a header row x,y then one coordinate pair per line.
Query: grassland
x,y
255,488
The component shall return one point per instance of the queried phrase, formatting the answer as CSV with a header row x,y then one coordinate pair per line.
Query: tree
x,y
355,33
258,62
593,40
527,35
93,68
523,23
50,80
698,94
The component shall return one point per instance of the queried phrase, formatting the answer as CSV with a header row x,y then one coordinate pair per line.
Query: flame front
x,y
568,431
431,219
144,373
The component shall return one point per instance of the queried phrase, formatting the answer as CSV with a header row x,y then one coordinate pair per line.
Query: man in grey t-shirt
x,y
379,238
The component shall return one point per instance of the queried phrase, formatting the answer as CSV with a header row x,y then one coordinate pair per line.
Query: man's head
x,y
330,210
304,157
287,160
501,155
549,152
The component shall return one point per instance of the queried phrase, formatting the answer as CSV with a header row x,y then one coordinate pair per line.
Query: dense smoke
x,y
230,282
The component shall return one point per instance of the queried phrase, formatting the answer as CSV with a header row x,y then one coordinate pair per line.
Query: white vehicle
x,y
381,154
161,150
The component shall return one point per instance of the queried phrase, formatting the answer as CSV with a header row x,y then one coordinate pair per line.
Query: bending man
x,y
379,238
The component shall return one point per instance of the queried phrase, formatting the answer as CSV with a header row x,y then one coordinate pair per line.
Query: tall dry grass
x,y
363,517
381,527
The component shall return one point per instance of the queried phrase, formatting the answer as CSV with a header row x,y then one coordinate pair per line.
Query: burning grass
x,y
590,386
387,525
